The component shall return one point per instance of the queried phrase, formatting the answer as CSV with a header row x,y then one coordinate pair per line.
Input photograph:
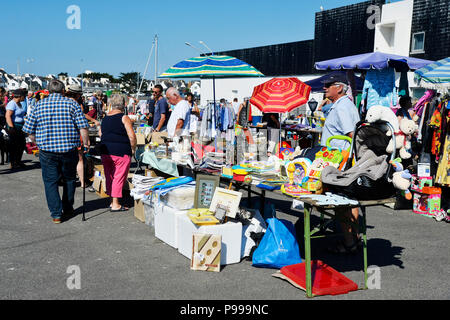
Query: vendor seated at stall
x,y
342,119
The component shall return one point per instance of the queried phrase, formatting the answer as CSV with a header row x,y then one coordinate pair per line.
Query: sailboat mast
x,y
156,56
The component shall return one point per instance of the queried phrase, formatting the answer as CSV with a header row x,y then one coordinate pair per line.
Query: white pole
x,y
204,44
146,67
156,57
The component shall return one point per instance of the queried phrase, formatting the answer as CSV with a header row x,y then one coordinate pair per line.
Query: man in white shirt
x,y
178,124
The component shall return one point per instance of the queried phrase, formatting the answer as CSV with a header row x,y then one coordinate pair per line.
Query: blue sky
x,y
116,36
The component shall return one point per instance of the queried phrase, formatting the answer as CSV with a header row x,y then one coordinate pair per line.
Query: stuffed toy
x,y
403,138
376,113
401,179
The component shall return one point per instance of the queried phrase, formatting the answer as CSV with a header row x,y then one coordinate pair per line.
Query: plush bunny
x,y
401,179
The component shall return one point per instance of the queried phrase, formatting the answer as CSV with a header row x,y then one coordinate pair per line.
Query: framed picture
x,y
221,212
205,186
227,199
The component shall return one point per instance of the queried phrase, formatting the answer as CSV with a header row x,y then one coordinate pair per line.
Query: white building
x,y
392,35
195,88
240,88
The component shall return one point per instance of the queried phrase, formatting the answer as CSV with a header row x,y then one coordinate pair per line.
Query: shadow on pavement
x,y
27,167
380,252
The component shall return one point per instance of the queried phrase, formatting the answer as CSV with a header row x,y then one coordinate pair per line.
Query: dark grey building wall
x,y
284,59
343,31
432,17
338,33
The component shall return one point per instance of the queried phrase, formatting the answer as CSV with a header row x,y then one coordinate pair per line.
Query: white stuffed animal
x,y
401,179
376,113
407,129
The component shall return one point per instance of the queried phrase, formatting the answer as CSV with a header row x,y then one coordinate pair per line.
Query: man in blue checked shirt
x,y
55,125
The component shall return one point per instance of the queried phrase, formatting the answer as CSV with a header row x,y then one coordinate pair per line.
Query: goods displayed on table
x,y
386,156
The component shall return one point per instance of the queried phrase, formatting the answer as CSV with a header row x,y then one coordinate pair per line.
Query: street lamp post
x,y
190,45
204,44
30,60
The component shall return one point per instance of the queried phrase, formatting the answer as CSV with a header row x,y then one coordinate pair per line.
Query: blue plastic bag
x,y
278,247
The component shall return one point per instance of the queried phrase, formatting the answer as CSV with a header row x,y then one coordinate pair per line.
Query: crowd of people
x,y
56,120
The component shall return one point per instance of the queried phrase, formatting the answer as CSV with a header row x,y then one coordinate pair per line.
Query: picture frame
x,y
205,186
221,212
228,199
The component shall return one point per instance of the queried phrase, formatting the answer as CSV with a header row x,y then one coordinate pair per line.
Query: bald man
x,y
179,121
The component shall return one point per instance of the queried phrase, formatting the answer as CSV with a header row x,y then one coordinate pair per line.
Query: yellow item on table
x,y
204,220
240,171
197,212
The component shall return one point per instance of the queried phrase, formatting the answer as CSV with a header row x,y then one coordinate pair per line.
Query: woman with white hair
x,y
119,144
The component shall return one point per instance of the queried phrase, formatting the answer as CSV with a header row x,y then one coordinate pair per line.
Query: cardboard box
x,y
102,192
231,233
139,210
150,173
99,182
206,252
128,185
140,139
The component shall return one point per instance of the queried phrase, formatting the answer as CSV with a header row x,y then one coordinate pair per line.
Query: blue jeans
x,y
56,166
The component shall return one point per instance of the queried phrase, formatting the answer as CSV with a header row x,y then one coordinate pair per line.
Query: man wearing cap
x,y
343,114
55,126
75,92
342,119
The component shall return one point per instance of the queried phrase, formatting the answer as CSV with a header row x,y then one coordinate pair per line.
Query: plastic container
x,y
324,279
239,175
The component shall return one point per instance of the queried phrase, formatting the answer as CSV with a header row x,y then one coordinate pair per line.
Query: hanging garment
x,y
443,171
419,106
379,88
243,115
436,126
403,88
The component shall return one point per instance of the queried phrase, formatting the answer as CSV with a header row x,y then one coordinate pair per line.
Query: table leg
x,y
307,213
262,202
363,222
249,195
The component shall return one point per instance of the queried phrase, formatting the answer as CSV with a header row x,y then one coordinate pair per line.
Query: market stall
x,y
430,185
197,207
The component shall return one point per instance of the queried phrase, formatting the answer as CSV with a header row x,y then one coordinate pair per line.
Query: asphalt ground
x,y
118,257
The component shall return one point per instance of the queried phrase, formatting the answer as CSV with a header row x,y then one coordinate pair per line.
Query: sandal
x,y
122,208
